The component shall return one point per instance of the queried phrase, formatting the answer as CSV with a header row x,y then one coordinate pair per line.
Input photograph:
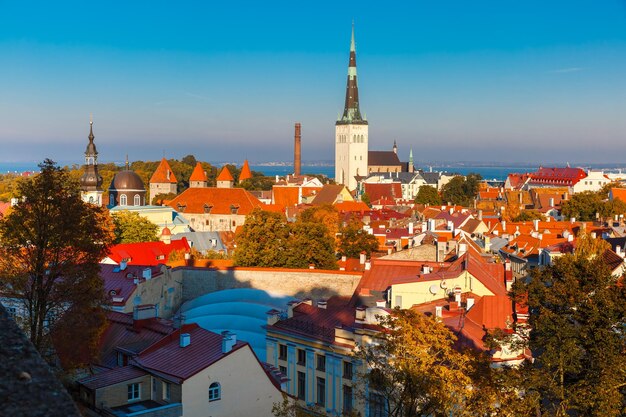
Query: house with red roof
x,y
144,253
151,368
216,208
163,180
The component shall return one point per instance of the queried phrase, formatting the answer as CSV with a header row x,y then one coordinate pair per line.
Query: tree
x,y
415,368
428,194
528,215
461,190
263,240
51,244
353,240
325,214
578,338
365,197
583,206
310,244
130,227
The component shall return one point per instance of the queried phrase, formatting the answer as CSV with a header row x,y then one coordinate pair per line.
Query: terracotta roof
x,y
618,193
163,174
328,194
245,171
351,206
225,175
112,376
557,176
167,357
378,191
382,158
146,253
198,173
219,200
285,196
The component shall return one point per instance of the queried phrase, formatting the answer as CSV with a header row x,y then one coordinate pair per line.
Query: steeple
x,y
395,147
411,164
351,111
91,181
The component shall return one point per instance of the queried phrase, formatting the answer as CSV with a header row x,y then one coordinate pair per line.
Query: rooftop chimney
x,y
297,155
185,340
322,304
228,341
438,311
469,303
362,257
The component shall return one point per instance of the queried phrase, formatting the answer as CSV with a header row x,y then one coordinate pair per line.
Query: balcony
x,y
147,408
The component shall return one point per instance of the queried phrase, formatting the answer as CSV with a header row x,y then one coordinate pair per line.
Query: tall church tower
x,y
91,181
351,132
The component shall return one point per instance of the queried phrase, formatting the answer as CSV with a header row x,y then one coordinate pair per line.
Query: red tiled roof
x,y
618,193
163,174
198,173
167,357
285,196
225,175
347,206
328,194
220,200
377,191
245,171
112,376
147,253
557,176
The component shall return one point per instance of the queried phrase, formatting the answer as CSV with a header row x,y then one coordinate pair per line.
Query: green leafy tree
x,y
528,215
310,244
263,240
578,338
130,227
51,244
353,240
428,194
325,214
583,206
365,197
258,182
160,199
461,190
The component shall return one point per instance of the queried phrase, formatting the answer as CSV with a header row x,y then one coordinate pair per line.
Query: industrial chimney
x,y
297,154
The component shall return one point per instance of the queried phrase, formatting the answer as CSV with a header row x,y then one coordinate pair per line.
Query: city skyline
x,y
489,82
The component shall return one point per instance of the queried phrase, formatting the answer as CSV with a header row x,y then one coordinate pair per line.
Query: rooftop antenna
x,y
127,166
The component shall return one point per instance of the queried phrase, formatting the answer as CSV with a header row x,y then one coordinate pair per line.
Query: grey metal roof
x,y
203,241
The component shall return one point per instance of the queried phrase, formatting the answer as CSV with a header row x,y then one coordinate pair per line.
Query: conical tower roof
x,y
225,175
245,171
198,173
163,174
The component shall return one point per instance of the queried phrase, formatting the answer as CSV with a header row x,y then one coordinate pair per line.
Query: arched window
x,y
137,200
214,391
123,200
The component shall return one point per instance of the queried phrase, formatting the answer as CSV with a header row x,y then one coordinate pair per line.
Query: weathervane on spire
x,y
90,118
127,165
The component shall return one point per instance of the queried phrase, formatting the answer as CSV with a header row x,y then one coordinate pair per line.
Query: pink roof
x,y
112,376
146,253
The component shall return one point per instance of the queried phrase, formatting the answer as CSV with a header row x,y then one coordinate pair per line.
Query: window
x,y
347,370
123,200
166,391
137,200
234,209
301,385
12,312
321,362
301,357
207,208
214,392
283,370
377,405
347,398
282,352
133,391
321,392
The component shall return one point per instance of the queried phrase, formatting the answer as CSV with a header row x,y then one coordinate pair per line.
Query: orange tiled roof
x,y
217,200
198,173
347,206
285,196
163,174
618,193
245,171
225,175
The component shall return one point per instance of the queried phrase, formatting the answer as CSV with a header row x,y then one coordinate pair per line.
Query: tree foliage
x,y
528,215
130,227
461,190
428,194
578,338
587,205
268,240
415,367
50,247
353,240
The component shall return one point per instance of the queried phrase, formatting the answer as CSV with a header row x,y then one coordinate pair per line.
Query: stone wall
x,y
299,283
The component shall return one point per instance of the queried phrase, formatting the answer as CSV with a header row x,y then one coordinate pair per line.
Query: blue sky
x,y
510,81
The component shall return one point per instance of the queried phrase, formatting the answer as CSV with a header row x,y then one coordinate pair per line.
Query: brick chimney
x,y
297,154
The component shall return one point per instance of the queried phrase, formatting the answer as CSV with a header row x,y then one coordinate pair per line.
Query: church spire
x,y
351,111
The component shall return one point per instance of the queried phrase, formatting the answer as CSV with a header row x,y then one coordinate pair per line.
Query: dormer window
x,y
234,209
207,208
181,207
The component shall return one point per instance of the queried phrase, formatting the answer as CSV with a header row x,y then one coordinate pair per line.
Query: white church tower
x,y
351,132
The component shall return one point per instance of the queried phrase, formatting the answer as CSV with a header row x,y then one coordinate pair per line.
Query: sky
x,y
456,80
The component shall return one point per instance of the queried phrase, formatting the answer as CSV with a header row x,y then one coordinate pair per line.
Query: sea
x,y
491,172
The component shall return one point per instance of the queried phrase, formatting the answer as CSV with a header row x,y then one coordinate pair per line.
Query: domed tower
x,y
91,181
127,189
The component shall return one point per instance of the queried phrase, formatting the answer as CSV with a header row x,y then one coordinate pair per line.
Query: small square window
x,y
282,352
347,370
321,362
301,357
134,392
